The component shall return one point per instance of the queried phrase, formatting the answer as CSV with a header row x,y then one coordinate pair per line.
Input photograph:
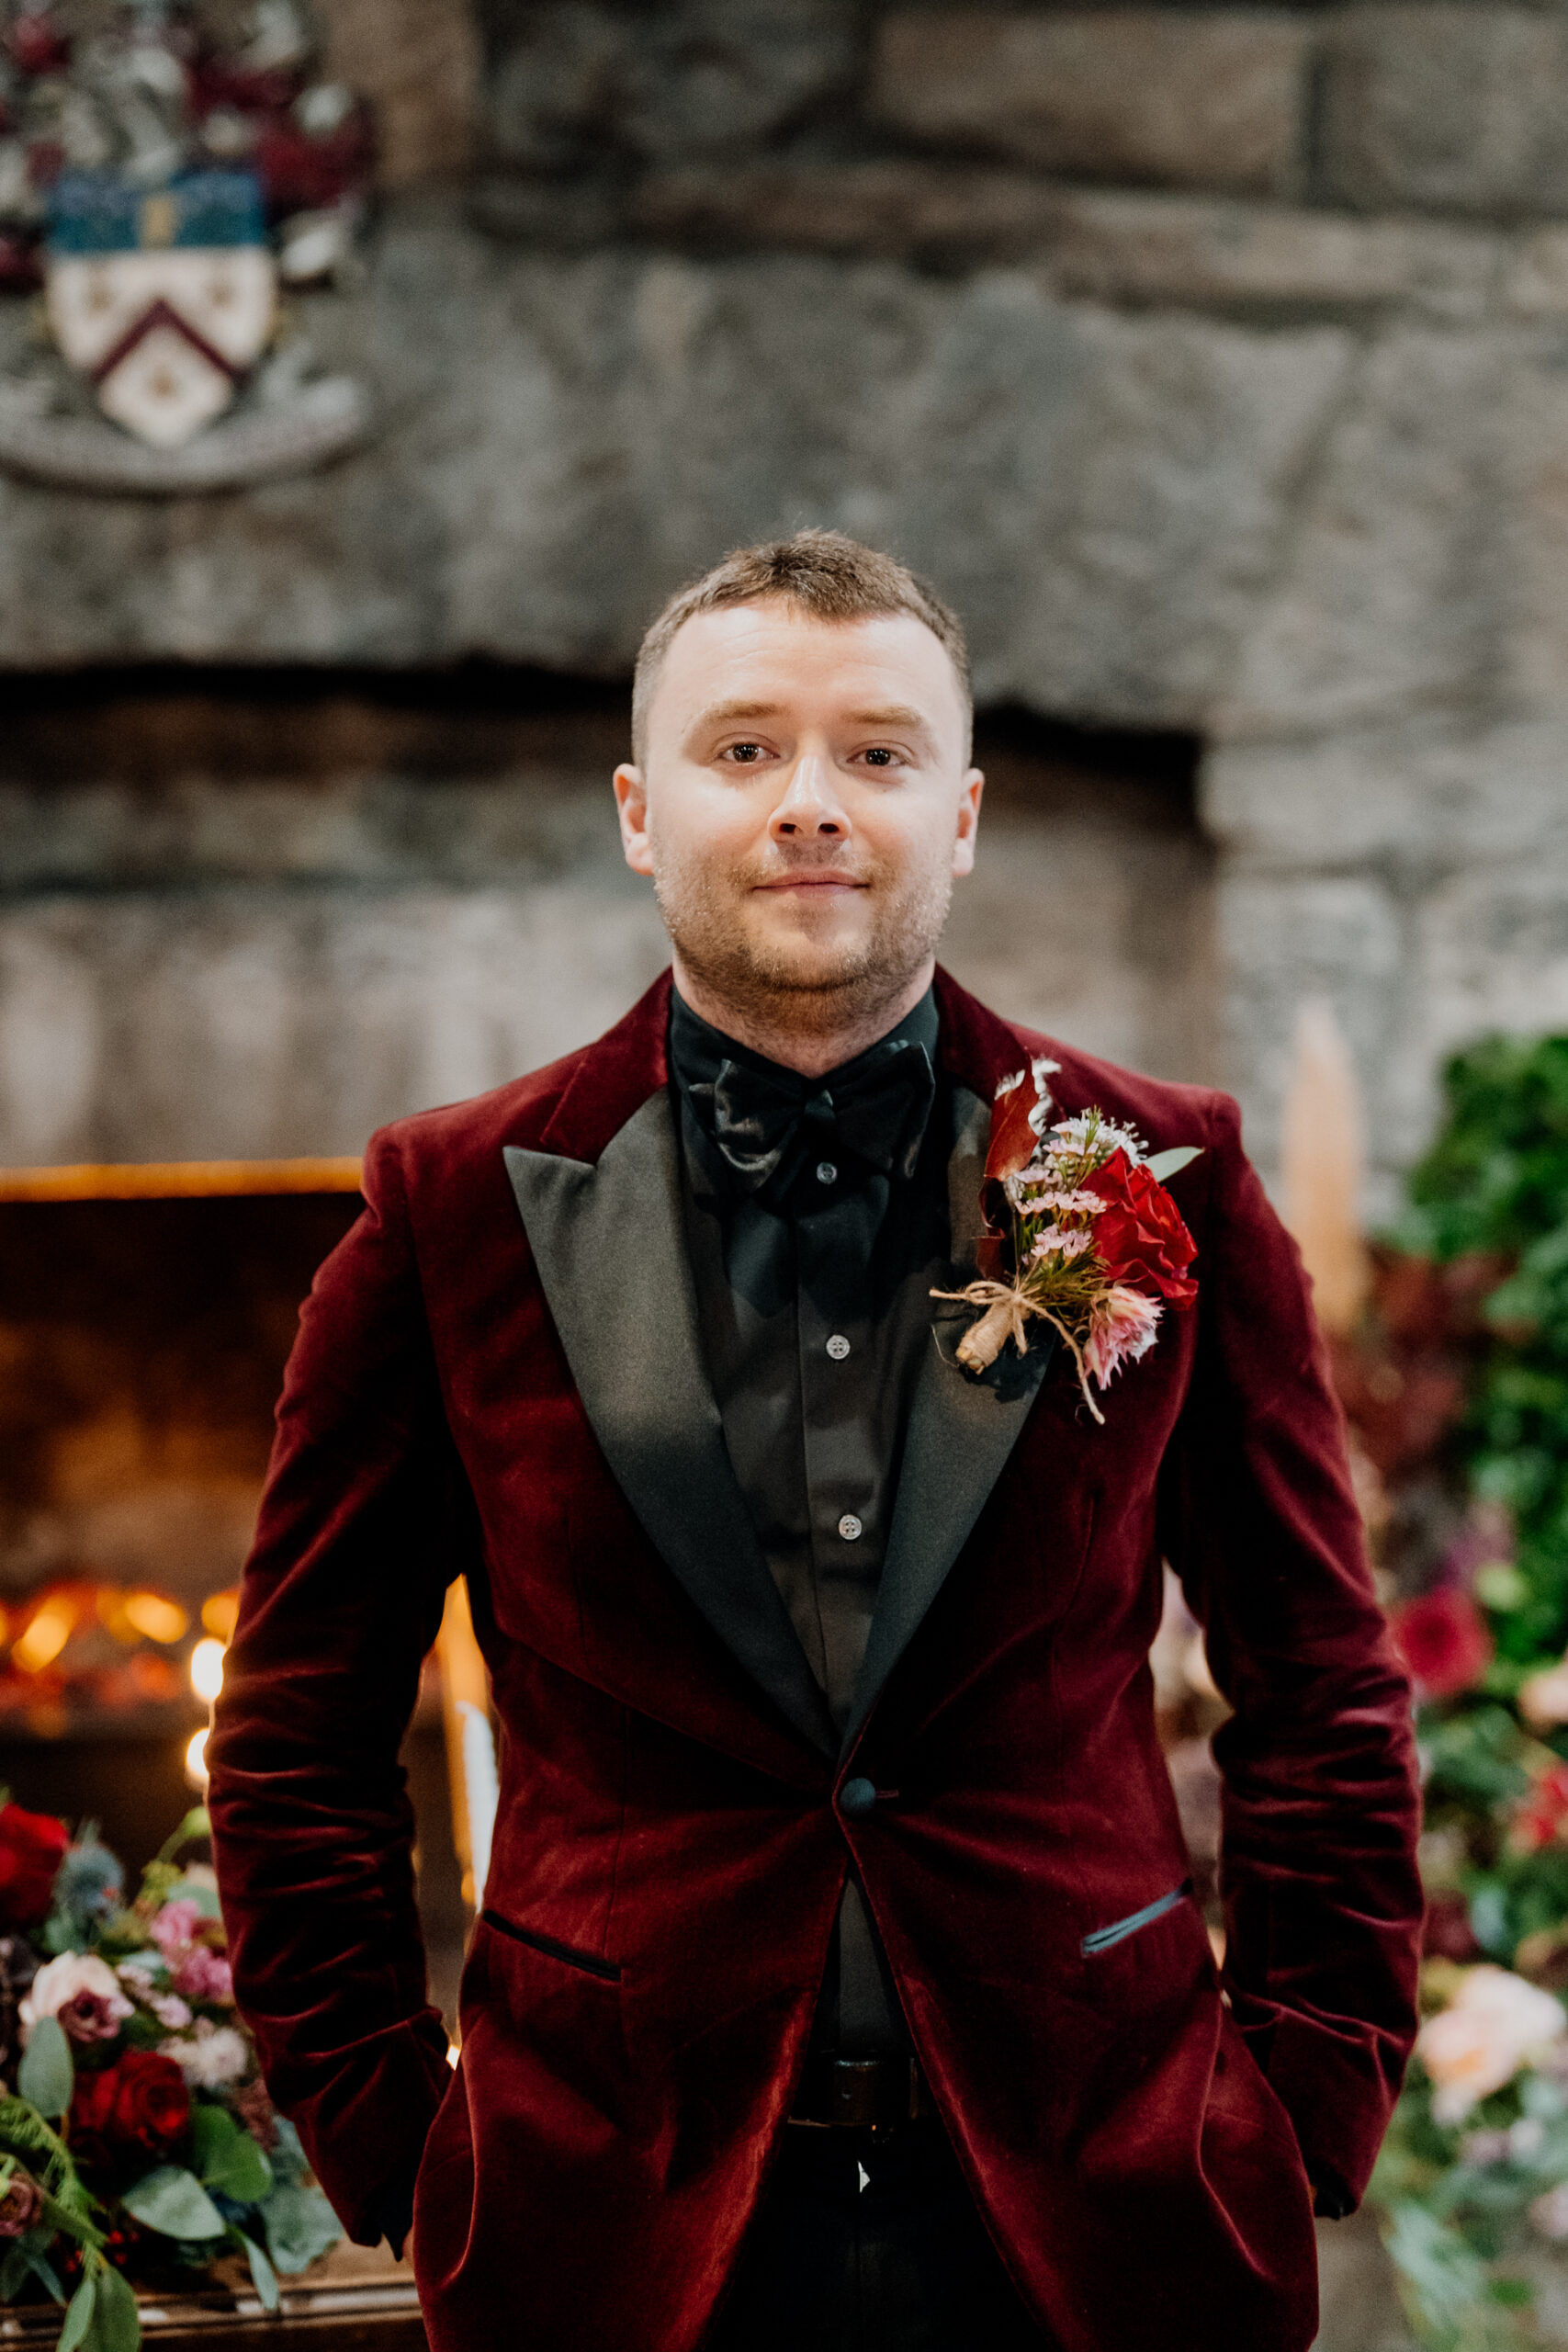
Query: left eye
x,y
880,757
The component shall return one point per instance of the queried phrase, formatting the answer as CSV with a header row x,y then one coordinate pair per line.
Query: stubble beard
x,y
795,985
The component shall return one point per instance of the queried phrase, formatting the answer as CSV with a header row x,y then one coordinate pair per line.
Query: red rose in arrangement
x,y
33,1846
1139,1236
138,2105
1443,1640
1540,1817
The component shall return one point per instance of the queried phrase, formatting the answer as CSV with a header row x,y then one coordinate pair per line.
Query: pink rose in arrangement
x,y
92,2016
1495,2024
81,1990
21,2202
176,1925
204,1975
200,1973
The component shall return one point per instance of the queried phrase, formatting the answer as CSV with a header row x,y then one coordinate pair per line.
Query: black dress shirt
x,y
813,1267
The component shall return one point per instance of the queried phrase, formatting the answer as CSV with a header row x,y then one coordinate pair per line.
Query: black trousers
x,y
869,2242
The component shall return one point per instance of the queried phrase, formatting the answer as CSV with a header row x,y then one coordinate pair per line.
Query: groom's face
x,y
805,799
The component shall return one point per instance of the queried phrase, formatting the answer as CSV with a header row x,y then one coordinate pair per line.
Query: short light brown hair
x,y
829,574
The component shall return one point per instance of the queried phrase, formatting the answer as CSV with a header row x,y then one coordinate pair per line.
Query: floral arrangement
x,y
1080,1231
1456,1389
1475,2167
136,2139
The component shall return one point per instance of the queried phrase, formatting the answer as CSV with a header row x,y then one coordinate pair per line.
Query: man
x,y
836,1983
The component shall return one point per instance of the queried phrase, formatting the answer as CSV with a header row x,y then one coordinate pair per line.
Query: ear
x,y
631,804
968,822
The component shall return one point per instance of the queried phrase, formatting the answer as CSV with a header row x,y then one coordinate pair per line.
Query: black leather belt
x,y
878,2091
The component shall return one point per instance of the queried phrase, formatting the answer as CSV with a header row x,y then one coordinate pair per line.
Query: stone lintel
x,y
1099,244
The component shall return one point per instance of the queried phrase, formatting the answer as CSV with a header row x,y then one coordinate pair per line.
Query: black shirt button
x,y
857,1798
826,1173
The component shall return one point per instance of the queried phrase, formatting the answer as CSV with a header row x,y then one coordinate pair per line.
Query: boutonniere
x,y
1079,1230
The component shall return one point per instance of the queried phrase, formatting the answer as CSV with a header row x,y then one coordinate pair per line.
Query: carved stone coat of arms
x,y
171,172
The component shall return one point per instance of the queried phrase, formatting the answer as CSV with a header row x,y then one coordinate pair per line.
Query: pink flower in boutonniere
x,y
1123,1325
1079,1232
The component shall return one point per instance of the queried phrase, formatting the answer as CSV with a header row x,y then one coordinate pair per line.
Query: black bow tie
x,y
764,1119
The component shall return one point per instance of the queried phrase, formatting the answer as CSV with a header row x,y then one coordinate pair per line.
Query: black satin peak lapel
x,y
610,1246
961,1432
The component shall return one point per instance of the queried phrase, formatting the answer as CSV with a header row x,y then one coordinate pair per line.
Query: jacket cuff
x,y
1334,2087
364,2131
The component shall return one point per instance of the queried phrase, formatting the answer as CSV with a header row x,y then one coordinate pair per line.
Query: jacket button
x,y
857,1798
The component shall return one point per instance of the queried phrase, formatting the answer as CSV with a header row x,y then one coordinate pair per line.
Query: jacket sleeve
x,y
1321,1807
358,1535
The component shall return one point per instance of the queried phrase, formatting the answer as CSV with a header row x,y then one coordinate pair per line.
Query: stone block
x,y
573,86
1535,282
1455,108
1390,602
1532,531
1142,95
1285,938
418,62
1415,803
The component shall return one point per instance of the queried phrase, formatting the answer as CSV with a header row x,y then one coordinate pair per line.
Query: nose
x,y
810,809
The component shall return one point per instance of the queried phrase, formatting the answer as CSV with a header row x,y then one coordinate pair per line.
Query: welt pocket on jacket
x,y
589,1962
1103,1938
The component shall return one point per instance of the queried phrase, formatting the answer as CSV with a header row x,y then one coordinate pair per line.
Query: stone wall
x,y
1213,360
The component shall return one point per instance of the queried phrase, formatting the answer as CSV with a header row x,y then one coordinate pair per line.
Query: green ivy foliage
x,y
1495,1184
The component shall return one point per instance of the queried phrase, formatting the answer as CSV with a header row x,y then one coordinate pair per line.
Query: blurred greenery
x,y
1458,2202
1494,1186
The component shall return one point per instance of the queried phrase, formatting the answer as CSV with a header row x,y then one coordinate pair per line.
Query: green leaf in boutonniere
x,y
1164,1165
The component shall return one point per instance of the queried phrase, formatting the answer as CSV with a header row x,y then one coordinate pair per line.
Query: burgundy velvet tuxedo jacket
x,y
498,1374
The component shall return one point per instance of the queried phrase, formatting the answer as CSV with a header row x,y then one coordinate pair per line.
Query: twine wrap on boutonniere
x,y
1078,1230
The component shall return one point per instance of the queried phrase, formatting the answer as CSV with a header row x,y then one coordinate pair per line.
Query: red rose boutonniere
x,y
1080,1231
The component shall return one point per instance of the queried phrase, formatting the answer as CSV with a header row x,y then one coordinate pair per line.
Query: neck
x,y
807,1030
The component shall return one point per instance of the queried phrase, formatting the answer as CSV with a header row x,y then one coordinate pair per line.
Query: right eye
x,y
745,754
